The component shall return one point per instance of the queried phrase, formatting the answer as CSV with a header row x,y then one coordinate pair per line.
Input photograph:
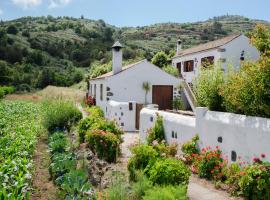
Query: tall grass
x,y
60,115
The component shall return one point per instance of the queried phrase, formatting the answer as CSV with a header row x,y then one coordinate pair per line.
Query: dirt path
x,y
44,189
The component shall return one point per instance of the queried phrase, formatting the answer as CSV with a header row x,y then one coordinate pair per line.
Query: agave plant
x,y
146,88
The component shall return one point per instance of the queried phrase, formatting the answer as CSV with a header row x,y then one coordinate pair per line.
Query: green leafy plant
x,y
118,189
157,132
168,192
57,142
254,181
141,156
141,185
178,104
166,171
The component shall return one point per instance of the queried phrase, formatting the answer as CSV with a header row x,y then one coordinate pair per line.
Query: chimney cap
x,y
117,44
179,41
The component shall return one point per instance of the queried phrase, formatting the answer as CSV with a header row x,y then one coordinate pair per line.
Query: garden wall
x,y
120,112
236,135
178,128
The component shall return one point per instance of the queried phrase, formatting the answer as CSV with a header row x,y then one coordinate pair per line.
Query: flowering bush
x,y
190,149
209,163
254,181
90,101
168,171
165,150
105,144
157,132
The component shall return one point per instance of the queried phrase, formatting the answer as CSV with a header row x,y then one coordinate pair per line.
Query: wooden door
x,y
162,95
138,110
179,66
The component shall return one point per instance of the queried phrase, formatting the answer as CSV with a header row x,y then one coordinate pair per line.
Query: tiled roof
x,y
208,45
123,69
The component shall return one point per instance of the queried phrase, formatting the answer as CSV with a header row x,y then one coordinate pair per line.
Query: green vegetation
x,y
190,149
20,125
157,132
60,115
4,90
40,51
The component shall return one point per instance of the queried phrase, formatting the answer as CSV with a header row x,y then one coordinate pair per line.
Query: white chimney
x,y
117,57
179,47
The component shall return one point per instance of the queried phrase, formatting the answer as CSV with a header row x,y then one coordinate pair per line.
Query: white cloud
x,y
27,3
57,3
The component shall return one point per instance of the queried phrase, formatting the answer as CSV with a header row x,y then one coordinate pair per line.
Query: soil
x,y
44,188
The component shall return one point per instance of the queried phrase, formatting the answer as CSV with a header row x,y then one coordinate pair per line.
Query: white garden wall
x,y
236,135
174,124
119,111
248,137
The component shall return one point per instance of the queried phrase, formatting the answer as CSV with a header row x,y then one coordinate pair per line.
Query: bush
x,y
209,163
60,115
105,144
171,70
157,132
160,59
255,181
166,193
168,171
141,156
4,90
95,117
190,149
207,88
165,150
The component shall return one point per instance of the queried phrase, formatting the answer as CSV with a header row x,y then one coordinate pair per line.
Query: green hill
x,y
40,51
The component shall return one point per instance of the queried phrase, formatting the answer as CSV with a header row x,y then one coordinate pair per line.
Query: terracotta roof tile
x,y
208,45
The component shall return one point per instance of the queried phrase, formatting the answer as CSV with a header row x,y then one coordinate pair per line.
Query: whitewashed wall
x,y
119,111
248,137
174,124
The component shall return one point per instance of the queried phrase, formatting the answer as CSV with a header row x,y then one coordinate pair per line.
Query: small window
x,y
220,139
207,61
189,66
179,65
95,90
101,92
175,135
130,106
233,156
172,134
151,119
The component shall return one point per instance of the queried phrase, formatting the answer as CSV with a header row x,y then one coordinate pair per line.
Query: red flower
x,y
263,155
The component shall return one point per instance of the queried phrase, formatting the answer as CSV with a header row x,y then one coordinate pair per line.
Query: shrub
x,y
60,115
7,89
190,149
157,132
207,88
209,163
166,193
178,103
255,181
2,93
141,156
171,70
165,150
160,59
96,111
166,171
141,186
105,144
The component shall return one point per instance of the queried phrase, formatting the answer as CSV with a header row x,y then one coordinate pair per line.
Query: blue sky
x,y
136,12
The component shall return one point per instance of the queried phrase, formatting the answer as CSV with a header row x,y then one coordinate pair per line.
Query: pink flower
x,y
155,143
217,147
263,155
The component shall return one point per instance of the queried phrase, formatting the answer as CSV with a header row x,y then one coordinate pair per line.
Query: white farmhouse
x,y
120,92
227,51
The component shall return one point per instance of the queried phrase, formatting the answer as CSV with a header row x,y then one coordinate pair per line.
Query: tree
x,y
260,38
11,29
160,59
146,88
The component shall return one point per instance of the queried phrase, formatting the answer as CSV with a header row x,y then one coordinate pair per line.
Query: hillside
x,y
41,51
